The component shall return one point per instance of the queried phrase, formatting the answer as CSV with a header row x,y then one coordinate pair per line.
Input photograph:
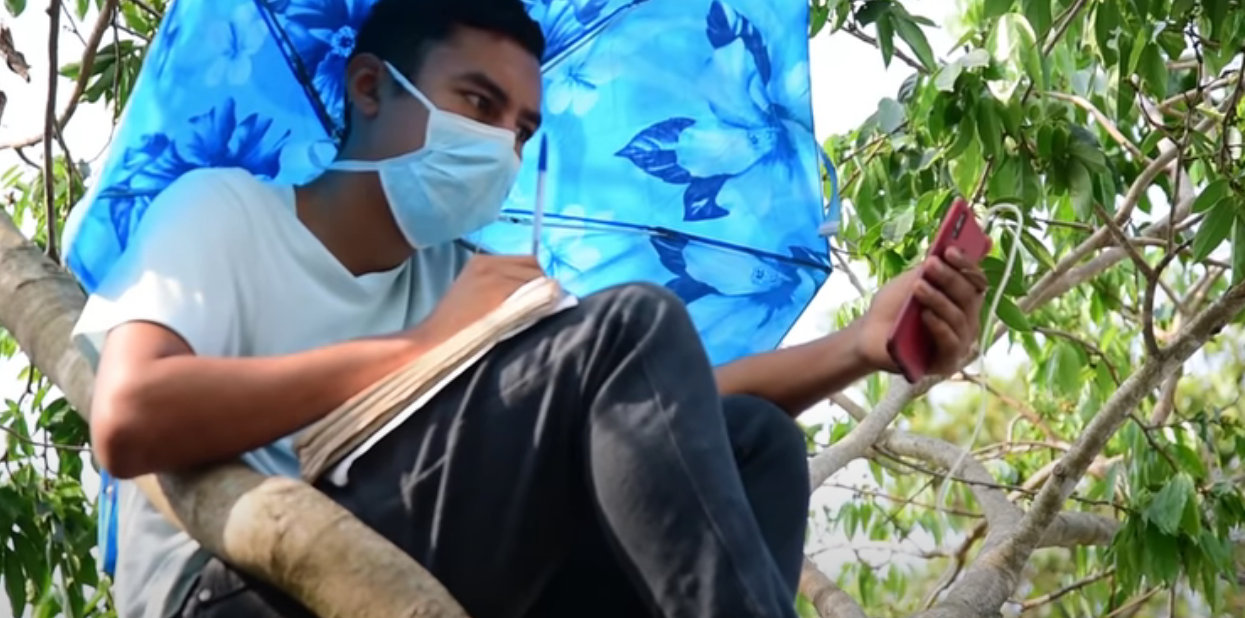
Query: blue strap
x,y
107,520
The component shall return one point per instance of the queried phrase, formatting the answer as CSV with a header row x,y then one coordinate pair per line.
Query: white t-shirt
x,y
222,259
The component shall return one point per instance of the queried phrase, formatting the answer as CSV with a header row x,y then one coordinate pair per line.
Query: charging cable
x,y
1016,225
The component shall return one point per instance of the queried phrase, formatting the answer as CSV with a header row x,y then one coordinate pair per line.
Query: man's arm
x,y
159,407
795,378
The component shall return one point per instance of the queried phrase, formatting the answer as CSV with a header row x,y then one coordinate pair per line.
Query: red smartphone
x,y
910,344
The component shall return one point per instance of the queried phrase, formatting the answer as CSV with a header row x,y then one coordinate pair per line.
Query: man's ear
x,y
363,84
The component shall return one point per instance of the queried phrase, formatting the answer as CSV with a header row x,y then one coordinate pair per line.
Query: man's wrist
x,y
863,349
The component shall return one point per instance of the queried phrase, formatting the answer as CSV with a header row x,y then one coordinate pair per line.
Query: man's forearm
x,y
798,377
186,411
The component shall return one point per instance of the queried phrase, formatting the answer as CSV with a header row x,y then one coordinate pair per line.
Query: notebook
x,y
333,443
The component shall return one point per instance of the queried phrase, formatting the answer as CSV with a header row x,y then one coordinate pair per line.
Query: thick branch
x,y
84,73
279,529
827,598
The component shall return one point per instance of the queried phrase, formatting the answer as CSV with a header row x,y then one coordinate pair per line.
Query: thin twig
x,y
50,130
1147,312
1070,588
903,501
898,53
43,445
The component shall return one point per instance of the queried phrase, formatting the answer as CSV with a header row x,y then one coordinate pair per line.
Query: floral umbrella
x,y
680,131
685,158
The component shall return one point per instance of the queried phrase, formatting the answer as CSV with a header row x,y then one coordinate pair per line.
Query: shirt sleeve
x,y
177,270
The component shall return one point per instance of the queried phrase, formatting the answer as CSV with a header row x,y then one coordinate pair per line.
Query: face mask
x,y
451,187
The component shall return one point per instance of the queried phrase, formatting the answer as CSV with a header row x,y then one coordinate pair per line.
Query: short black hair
x,y
403,31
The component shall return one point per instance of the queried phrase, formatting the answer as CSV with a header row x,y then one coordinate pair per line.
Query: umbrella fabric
x,y
680,132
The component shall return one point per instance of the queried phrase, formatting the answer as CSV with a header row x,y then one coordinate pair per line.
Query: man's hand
x,y
951,292
484,284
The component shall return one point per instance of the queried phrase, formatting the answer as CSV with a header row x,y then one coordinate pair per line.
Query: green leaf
x,y
1081,188
890,115
817,20
989,127
1064,370
871,11
1167,506
995,8
1238,248
1038,14
915,38
15,8
993,268
1214,229
1012,316
1215,190
1153,71
886,38
1014,46
14,582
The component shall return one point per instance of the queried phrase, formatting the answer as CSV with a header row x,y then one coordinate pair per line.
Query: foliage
x,y
1060,107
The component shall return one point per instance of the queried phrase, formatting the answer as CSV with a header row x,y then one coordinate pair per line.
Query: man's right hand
x,y
484,284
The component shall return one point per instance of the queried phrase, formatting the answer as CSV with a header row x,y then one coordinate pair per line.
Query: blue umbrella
x,y
680,133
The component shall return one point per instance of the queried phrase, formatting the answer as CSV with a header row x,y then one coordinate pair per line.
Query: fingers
x,y
969,269
944,336
945,309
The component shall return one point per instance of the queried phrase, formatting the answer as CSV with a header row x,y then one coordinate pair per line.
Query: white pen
x,y
538,220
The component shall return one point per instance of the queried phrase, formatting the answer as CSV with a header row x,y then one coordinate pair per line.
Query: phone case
x,y
910,344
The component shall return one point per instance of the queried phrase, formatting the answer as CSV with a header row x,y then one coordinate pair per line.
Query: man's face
x,y
484,76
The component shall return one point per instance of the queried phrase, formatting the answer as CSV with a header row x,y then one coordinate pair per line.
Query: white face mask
x,y
451,187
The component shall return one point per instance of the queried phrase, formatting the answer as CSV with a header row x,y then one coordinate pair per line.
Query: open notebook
x,y
334,442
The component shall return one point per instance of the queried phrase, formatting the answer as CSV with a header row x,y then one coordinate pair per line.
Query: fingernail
x,y
954,252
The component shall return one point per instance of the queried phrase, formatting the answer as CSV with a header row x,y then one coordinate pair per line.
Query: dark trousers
x,y
586,467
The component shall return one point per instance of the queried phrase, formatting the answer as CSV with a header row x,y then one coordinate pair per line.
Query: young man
x,y
596,461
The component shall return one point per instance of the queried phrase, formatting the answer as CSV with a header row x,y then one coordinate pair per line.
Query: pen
x,y
542,168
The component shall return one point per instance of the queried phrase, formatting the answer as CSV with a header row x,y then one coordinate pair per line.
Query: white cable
x,y
987,333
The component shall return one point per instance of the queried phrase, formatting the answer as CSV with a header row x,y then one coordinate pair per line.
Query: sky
x,y
848,81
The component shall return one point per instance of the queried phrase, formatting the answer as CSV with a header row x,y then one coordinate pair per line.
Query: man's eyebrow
x,y
484,82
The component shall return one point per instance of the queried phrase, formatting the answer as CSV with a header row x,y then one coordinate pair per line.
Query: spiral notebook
x,y
333,443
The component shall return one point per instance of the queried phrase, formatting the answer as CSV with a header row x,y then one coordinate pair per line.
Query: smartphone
x,y
910,344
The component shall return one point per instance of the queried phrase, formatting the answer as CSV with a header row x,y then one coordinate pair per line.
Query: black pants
x,y
586,466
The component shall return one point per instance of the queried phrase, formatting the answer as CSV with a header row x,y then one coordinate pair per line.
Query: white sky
x,y
848,80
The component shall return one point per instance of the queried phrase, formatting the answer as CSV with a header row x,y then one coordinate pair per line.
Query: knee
x,y
643,307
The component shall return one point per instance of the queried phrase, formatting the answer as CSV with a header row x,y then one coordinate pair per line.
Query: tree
x,y
1116,128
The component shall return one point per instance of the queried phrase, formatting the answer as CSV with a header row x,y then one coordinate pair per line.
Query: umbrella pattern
x,y
682,149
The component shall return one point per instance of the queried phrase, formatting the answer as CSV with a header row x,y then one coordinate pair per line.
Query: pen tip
x,y
543,164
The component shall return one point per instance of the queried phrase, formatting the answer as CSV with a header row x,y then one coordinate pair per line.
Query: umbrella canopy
x,y
680,132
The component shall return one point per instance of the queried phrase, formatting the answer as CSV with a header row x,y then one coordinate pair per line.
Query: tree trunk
x,y
279,529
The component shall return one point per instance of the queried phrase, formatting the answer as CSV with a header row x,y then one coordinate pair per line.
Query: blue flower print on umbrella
x,y
233,43
322,34
756,136
212,139
567,22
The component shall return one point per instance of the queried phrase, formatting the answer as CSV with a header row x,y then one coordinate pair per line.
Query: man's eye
x,y
524,135
478,101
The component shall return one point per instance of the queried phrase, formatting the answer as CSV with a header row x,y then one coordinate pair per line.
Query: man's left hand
x,y
950,292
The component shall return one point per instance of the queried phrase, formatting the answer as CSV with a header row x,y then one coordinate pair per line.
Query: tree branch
x,y
84,73
990,580
827,598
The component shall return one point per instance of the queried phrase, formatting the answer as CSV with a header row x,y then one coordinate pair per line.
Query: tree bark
x,y
278,529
